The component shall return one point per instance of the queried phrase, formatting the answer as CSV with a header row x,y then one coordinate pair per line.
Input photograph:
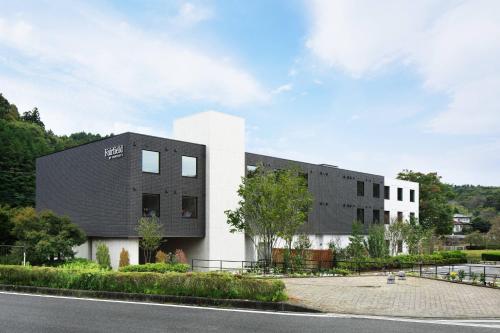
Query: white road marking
x,y
491,323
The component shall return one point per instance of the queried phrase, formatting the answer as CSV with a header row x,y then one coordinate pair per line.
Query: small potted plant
x,y
473,276
461,275
453,276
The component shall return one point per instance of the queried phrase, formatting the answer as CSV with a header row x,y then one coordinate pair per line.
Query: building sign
x,y
114,152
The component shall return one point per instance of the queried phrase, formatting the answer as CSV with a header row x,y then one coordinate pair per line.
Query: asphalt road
x,y
31,313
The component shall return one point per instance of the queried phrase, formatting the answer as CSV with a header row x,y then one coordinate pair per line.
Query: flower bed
x,y
156,268
213,285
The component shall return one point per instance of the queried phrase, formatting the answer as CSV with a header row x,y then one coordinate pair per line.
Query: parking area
x,y
413,297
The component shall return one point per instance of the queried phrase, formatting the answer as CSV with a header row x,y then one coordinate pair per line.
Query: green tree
x,y
6,225
395,233
435,210
102,256
272,205
356,248
414,235
375,242
479,224
8,111
33,117
150,232
46,236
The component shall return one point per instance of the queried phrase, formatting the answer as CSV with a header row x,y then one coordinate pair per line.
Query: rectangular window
x,y
376,216
412,216
376,190
400,216
400,194
189,166
189,207
400,246
361,215
150,205
361,189
412,195
150,161
387,217
387,192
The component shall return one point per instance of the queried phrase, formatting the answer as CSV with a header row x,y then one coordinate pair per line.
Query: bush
x,y
214,285
80,264
161,257
156,268
102,256
124,258
491,256
404,260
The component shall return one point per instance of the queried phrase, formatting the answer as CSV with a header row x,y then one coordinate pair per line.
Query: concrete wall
x,y
393,205
115,246
224,138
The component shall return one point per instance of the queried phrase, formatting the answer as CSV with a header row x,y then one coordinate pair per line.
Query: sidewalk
x,y
414,297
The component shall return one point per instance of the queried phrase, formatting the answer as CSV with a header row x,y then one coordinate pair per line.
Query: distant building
x,y
461,222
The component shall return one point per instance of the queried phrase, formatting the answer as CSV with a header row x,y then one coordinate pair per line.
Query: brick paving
x,y
414,297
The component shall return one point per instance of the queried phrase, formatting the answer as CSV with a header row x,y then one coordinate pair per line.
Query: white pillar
x,y
224,138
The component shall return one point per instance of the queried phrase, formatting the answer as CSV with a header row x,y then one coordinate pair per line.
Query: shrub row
x,y
402,261
491,256
214,285
156,268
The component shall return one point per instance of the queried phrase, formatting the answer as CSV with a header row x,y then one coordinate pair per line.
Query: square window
x,y
412,195
387,192
376,190
189,166
387,217
150,205
376,216
361,188
400,194
150,161
189,207
360,214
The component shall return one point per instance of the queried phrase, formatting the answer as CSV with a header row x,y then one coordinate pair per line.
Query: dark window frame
x,y
142,162
387,192
376,190
159,204
193,216
387,217
196,166
412,195
376,212
360,188
400,216
360,212
400,194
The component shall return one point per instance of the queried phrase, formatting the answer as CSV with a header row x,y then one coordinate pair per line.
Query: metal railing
x,y
12,254
471,272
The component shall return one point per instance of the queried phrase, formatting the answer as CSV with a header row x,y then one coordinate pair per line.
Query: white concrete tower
x,y
224,138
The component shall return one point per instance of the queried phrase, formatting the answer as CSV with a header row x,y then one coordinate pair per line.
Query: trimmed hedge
x,y
491,256
405,260
213,285
156,268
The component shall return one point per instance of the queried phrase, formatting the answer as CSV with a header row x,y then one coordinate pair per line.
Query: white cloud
x,y
190,14
282,89
453,45
80,51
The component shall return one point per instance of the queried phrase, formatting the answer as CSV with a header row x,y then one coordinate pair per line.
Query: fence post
x,y
484,272
436,270
470,272
192,265
220,265
24,256
420,269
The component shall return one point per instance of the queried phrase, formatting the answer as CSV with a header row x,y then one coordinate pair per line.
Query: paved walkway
x,y
415,297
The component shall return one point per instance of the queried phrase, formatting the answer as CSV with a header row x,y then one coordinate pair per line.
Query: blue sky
x,y
374,86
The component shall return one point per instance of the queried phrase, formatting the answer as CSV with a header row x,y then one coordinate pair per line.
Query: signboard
x,y
113,152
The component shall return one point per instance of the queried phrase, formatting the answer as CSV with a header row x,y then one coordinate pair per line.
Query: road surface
x,y
37,313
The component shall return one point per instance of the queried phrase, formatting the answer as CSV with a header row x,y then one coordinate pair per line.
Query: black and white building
x,y
188,182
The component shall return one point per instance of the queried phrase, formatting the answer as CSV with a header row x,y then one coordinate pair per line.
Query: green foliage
x,y
491,256
150,231
214,285
299,256
46,236
272,204
80,264
461,275
356,248
405,260
102,256
6,225
157,268
435,211
375,243
161,257
23,140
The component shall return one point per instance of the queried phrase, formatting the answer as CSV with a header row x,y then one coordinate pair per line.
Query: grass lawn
x,y
475,255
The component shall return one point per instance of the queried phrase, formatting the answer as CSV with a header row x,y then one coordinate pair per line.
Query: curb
x,y
189,300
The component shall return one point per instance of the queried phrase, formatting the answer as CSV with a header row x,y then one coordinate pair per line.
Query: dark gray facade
x,y
104,195
334,190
